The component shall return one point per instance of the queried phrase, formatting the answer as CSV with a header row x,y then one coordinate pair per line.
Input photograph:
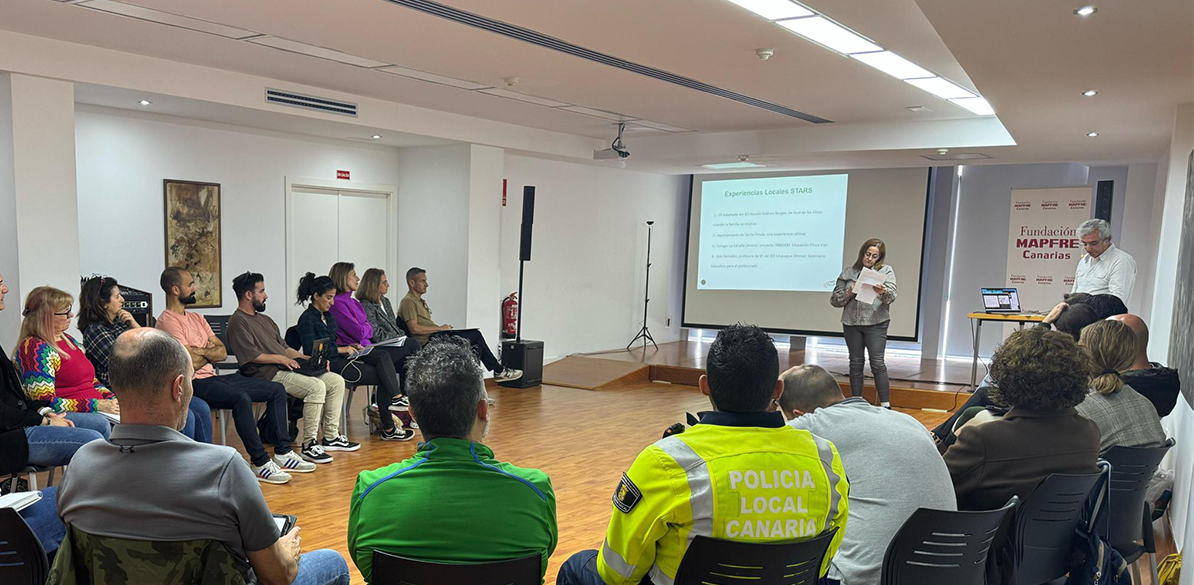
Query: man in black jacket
x,y
1159,384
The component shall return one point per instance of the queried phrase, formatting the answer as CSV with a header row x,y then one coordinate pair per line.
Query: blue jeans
x,y
43,519
581,569
322,567
198,425
53,446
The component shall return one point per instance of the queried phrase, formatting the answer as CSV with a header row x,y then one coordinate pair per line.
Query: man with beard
x,y
263,354
236,392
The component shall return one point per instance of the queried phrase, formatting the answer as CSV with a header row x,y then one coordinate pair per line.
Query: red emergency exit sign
x,y
342,175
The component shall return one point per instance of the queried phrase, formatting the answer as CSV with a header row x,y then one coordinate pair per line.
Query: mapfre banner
x,y
1043,248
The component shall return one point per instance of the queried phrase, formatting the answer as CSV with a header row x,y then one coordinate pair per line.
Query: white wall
x,y
123,158
10,319
484,234
1137,235
584,284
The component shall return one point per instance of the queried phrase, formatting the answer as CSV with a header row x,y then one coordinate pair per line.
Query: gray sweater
x,y
381,316
893,467
856,313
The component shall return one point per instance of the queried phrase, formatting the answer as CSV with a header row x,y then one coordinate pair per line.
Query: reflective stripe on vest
x,y
825,451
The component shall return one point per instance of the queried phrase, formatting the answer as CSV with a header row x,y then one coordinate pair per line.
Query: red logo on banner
x,y
1044,279
1048,205
1069,281
1018,279
1023,206
1078,204
342,175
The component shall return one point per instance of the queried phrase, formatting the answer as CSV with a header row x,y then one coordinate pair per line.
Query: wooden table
x,y
980,318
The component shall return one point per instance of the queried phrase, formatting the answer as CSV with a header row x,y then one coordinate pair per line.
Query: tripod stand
x,y
645,333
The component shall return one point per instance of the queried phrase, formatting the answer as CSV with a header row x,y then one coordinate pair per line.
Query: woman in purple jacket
x,y
353,327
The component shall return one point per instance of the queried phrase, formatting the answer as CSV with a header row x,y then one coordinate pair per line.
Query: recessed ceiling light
x,y
976,104
732,165
823,31
918,109
941,88
942,151
1092,134
1085,10
377,136
893,65
145,102
774,9
1090,93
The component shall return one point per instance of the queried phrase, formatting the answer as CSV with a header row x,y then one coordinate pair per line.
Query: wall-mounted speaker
x,y
1102,207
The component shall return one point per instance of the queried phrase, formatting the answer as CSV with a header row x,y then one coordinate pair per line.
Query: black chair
x,y
402,326
710,561
943,547
1129,518
391,569
219,326
22,559
1042,533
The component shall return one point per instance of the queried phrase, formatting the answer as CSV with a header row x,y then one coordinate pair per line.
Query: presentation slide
x,y
766,248
779,233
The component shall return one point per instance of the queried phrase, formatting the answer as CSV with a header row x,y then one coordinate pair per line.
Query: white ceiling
x,y
1030,59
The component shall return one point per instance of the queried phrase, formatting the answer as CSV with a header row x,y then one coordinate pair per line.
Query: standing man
x,y
413,310
151,483
1103,269
236,392
262,353
869,439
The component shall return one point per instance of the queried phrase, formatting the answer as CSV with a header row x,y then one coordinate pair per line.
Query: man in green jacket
x,y
432,506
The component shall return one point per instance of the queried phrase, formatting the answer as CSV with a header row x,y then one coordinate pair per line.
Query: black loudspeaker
x,y
528,220
525,355
1102,206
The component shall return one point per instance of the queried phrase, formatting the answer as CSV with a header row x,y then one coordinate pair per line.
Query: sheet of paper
x,y
863,286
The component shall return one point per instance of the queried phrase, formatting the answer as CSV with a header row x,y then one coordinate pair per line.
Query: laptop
x,y
318,364
1001,300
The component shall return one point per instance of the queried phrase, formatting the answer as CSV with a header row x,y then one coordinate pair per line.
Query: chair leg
x,y
348,391
50,479
1152,568
223,426
1136,574
32,483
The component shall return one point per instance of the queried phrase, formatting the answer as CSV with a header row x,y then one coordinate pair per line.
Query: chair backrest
x,y
22,559
99,560
292,338
219,326
1043,531
939,546
711,561
402,326
1131,470
389,569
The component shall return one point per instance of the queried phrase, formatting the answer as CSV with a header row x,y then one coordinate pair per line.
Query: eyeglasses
x,y
68,313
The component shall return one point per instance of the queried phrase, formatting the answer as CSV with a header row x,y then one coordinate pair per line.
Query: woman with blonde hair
x,y
1124,417
378,310
864,325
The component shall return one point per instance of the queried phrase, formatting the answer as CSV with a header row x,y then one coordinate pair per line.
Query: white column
x,y
487,165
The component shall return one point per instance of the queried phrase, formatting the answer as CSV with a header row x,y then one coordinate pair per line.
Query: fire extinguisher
x,y
510,316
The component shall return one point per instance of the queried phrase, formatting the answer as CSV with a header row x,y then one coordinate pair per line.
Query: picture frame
x,y
192,218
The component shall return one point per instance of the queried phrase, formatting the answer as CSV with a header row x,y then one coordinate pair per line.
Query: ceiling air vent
x,y
298,100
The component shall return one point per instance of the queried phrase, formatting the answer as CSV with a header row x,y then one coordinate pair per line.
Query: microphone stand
x,y
645,333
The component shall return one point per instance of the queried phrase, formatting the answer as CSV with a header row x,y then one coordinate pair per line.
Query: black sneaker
x,y
314,453
339,443
397,434
399,404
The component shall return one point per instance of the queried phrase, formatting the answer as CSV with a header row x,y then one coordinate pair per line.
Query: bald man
x,y
1152,380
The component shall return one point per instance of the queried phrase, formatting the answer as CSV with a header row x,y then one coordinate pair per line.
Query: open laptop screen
x,y
1001,300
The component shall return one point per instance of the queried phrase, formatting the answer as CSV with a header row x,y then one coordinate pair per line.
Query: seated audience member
x,y
354,329
374,368
736,453
1042,375
42,518
372,294
149,483
391,508
1159,384
31,431
263,354
236,392
869,439
102,319
413,310
1124,417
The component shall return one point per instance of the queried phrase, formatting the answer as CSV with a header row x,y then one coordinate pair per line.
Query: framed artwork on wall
x,y
193,236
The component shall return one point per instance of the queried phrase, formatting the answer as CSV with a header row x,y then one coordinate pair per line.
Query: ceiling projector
x,y
617,149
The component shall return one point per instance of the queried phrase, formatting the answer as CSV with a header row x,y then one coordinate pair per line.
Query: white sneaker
x,y
507,374
270,473
291,462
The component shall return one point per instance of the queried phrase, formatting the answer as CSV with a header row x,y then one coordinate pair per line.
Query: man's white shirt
x,y
1113,272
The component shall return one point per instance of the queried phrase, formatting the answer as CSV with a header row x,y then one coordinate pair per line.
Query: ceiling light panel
x,y
522,97
661,126
167,18
893,65
941,88
433,78
314,51
823,31
731,165
976,105
774,9
598,113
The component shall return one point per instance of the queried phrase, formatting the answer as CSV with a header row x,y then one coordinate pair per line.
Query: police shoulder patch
x,y
627,496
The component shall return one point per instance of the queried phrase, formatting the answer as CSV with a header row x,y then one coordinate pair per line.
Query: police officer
x,y
740,474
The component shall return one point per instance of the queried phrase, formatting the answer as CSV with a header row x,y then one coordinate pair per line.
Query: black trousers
x,y
475,339
398,354
238,393
375,369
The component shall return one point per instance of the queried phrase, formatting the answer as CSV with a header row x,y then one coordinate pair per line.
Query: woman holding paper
x,y
864,291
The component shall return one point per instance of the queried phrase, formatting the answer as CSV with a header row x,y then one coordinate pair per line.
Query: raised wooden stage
x,y
915,383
